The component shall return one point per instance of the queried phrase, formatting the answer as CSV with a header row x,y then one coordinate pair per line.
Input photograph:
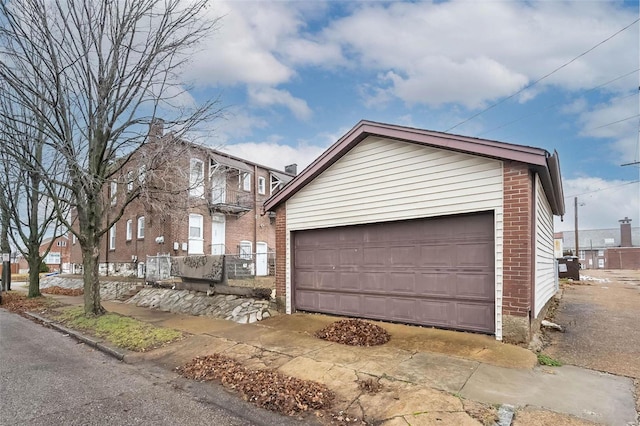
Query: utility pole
x,y
575,205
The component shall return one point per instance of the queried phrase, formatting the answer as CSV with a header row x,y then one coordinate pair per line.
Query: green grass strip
x,y
124,332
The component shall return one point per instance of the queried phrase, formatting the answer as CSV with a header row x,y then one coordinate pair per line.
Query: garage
x,y
434,272
421,227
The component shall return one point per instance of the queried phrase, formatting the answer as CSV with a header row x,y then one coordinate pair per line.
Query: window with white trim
x,y
196,178
61,243
196,234
112,237
113,192
129,229
141,227
73,238
262,185
129,181
142,174
245,249
245,181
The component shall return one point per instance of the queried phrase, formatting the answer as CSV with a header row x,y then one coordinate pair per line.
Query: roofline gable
x,y
545,164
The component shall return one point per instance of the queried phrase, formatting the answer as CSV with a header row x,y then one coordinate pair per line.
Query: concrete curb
x,y
78,336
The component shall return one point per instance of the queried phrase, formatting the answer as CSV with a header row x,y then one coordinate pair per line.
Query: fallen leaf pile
x,y
16,302
64,291
354,332
266,388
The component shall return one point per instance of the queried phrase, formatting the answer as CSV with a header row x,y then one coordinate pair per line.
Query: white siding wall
x,y
385,180
545,284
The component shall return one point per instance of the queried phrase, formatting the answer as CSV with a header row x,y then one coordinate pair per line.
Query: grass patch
x,y
124,332
547,360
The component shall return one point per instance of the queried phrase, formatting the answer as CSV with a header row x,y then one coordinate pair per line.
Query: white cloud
x,y
471,52
268,96
617,121
275,154
601,203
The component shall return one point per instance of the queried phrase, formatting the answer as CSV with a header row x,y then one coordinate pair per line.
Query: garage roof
x,y
545,164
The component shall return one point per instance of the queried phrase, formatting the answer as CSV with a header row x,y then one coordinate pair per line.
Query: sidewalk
x,y
424,372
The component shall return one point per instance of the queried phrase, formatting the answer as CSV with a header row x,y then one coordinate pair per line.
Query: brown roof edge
x,y
487,148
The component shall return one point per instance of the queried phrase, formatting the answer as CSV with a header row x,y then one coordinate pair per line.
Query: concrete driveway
x,y
601,316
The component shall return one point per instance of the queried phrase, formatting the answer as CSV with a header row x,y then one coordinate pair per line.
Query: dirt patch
x,y
354,332
370,385
63,291
486,414
265,388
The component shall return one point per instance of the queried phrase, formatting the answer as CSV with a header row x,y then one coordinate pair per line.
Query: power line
x,y
560,103
603,189
542,78
612,123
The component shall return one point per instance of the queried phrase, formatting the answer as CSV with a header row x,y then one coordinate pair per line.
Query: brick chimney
x,y
292,169
625,232
156,129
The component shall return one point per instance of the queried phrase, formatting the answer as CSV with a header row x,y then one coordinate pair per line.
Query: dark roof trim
x,y
535,157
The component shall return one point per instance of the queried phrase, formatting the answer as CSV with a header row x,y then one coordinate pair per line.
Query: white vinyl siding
x,y
545,281
385,180
381,180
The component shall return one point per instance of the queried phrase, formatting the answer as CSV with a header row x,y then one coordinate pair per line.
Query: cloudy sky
x,y
294,76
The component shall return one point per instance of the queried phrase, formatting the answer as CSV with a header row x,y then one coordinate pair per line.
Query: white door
x,y
218,188
262,264
196,240
217,234
141,270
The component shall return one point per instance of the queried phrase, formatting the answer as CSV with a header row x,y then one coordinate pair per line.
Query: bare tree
x,y
95,74
26,199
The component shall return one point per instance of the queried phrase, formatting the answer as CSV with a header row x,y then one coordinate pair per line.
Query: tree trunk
x,y
90,257
34,275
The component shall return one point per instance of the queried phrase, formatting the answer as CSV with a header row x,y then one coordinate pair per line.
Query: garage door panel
x,y
474,254
435,312
475,316
350,257
437,271
436,256
475,286
436,284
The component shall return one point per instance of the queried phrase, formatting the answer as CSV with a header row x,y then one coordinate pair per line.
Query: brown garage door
x,y
437,271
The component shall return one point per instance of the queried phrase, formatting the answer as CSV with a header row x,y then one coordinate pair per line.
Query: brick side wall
x,y
622,258
518,216
281,250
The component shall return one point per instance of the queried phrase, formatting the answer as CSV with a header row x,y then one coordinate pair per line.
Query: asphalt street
x,y
47,378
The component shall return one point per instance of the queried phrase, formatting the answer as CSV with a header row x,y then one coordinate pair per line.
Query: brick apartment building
x,y
57,260
202,201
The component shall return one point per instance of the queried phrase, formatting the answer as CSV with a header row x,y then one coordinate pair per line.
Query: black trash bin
x,y
569,267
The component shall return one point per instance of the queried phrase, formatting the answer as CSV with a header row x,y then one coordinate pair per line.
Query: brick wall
x,y
281,249
517,273
622,258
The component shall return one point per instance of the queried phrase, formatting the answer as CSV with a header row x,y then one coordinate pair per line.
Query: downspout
x,y
255,216
533,206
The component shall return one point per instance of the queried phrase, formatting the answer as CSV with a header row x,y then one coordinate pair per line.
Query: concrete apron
x,y
417,383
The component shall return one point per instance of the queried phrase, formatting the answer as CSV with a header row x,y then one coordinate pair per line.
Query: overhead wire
x,y
543,77
548,107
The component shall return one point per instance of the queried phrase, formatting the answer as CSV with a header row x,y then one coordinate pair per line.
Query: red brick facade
x,y
517,239
168,216
281,249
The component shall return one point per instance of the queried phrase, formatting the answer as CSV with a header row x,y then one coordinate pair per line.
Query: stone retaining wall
x,y
110,290
228,307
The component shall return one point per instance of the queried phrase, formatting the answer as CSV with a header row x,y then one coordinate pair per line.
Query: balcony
x,y
230,201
